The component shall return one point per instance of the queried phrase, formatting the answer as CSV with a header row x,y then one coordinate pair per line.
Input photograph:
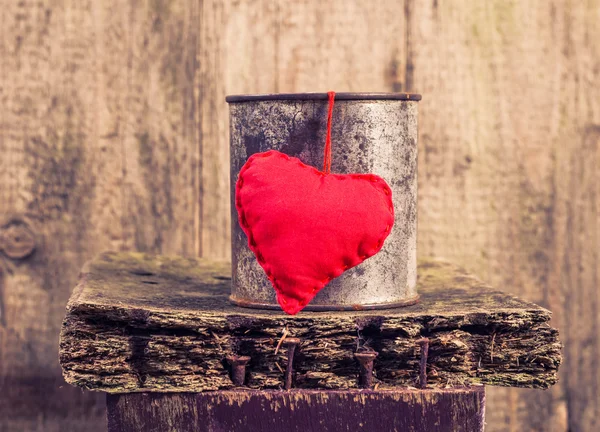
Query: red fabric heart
x,y
306,227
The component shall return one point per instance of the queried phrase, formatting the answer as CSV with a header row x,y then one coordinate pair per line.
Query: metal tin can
x,y
371,133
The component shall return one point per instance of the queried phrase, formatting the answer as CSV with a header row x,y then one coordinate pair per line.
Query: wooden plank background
x,y
113,135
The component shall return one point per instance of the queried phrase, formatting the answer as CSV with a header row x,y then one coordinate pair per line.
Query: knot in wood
x,y
17,240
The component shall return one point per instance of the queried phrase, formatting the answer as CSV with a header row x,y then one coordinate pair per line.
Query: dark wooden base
x,y
458,409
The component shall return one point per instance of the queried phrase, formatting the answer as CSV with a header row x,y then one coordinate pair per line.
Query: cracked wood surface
x,y
139,322
113,135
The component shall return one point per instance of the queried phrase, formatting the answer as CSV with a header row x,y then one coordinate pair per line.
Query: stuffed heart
x,y
307,227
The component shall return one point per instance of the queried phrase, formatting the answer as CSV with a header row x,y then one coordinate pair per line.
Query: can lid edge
x,y
322,96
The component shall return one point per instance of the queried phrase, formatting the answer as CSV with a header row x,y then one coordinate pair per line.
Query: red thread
x,y
327,157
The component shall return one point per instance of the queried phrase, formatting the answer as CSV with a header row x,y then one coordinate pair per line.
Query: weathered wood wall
x,y
113,135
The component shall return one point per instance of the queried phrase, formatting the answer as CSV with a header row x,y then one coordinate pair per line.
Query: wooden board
x,y
140,322
509,146
457,410
509,171
509,155
98,150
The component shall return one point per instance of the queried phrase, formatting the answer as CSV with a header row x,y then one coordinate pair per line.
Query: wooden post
x,y
457,410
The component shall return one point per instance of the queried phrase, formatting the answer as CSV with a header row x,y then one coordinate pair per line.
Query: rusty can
x,y
371,133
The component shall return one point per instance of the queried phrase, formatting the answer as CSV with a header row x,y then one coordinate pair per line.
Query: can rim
x,y
251,304
322,96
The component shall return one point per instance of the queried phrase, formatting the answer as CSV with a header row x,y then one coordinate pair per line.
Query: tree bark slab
x,y
139,322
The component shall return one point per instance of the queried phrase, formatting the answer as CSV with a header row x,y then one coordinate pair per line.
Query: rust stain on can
x,y
371,133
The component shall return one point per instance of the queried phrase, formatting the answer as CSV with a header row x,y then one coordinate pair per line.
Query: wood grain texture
x,y
278,46
508,142
140,322
508,146
98,150
508,173
457,410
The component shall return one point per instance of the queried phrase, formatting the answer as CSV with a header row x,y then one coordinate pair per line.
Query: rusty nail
x,y
238,368
291,344
424,344
365,359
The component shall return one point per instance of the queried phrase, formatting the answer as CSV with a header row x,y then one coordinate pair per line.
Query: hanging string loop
x,y
327,156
